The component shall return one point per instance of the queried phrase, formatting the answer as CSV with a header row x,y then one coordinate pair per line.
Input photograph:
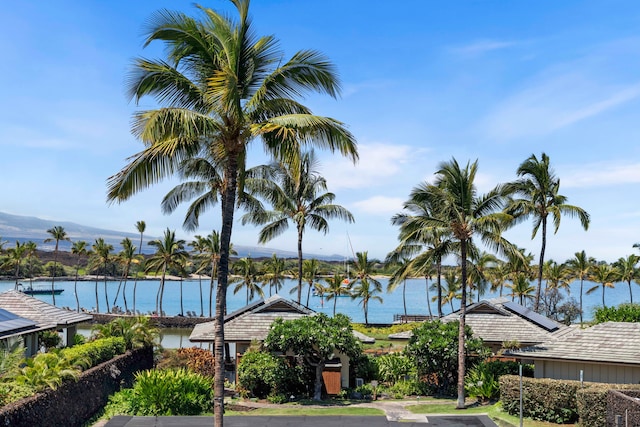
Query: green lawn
x,y
302,410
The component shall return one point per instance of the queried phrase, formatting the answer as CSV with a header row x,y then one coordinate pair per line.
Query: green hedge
x,y
559,401
96,352
543,399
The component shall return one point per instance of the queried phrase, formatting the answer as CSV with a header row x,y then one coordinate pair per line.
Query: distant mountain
x,y
24,228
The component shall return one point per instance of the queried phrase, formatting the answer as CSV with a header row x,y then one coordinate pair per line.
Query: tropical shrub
x,y
434,350
10,360
365,367
48,370
394,366
137,332
621,313
405,388
481,384
198,360
498,368
49,339
162,393
263,375
95,352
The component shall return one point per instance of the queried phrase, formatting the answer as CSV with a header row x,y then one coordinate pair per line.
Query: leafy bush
x,y
621,313
365,367
404,388
49,339
262,374
13,391
162,393
499,368
434,350
394,366
365,390
543,399
95,352
481,384
137,332
48,370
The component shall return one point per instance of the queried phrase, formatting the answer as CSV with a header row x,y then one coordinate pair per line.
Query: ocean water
x,y
379,312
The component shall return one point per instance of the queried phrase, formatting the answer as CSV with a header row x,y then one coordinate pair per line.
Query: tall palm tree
x,y
31,249
101,257
15,258
536,194
310,271
400,273
580,268
80,249
57,234
170,254
336,286
628,270
459,209
604,274
423,241
452,288
297,194
478,273
141,226
274,273
521,288
497,276
221,88
198,245
126,257
247,277
365,287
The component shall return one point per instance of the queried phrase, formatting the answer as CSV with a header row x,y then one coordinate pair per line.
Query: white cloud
x,y
481,47
601,174
377,162
380,205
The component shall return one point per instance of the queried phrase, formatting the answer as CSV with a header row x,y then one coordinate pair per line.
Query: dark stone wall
x,y
73,403
162,322
620,402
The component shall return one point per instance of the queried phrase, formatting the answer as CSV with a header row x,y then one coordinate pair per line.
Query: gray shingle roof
x,y
10,324
493,322
253,321
613,342
44,314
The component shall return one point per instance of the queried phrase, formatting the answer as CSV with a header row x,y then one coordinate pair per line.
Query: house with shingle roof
x,y
608,352
501,320
44,315
252,324
14,328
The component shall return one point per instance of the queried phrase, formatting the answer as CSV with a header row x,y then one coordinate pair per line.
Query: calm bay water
x,y
379,312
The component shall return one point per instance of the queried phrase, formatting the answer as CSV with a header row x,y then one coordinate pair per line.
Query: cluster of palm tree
x,y
221,88
447,217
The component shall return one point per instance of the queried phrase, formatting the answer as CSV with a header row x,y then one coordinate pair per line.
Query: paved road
x,y
304,421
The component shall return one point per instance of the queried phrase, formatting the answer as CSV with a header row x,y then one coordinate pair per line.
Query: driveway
x,y
304,421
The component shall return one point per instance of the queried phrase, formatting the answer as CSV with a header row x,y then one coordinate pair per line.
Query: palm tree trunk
x,y
96,288
439,279
603,288
213,273
461,330
201,297
124,288
228,205
581,283
299,264
164,274
181,303
335,300
53,275
426,279
106,296
75,290
630,291
536,304
118,291
309,293
404,296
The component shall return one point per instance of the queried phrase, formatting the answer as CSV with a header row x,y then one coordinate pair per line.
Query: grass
x,y
302,410
493,411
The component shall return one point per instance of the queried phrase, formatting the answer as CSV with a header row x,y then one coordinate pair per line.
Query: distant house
x,y
252,324
608,352
501,320
14,328
45,317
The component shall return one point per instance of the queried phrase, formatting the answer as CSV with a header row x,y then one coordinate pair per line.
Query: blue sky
x,y
422,82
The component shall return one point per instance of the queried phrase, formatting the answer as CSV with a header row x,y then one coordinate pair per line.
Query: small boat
x,y
29,290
